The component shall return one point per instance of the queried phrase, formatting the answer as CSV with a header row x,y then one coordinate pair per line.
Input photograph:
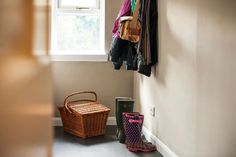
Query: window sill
x,y
82,58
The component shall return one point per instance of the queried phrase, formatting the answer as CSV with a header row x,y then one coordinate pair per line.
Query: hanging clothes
x,y
143,55
122,50
147,46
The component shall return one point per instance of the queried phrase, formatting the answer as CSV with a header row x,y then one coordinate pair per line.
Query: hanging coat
x,y
122,50
141,56
147,46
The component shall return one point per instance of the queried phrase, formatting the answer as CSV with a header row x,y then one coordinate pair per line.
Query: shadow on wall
x,y
170,88
166,36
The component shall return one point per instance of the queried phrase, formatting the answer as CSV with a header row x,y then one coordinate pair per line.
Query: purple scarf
x,y
125,10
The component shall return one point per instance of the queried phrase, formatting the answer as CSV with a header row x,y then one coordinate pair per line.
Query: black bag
x,y
123,51
119,49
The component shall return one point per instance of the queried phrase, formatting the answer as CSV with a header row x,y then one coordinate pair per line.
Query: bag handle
x,y
132,5
66,101
134,21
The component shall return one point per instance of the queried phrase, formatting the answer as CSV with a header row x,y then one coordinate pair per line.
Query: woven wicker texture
x,y
85,117
88,108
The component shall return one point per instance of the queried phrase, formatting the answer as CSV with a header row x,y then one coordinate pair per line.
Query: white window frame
x,y
77,7
99,9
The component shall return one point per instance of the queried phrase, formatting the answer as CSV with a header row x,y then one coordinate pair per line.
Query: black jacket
x,y
123,51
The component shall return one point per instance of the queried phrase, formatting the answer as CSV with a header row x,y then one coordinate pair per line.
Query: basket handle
x,y
66,101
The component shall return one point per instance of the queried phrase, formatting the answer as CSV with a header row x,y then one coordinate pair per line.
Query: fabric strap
x,y
132,4
134,21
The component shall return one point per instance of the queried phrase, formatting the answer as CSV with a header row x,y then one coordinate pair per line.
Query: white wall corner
x,y
57,121
161,147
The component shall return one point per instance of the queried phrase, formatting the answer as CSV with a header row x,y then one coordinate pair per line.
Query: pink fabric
x,y
131,114
125,10
135,121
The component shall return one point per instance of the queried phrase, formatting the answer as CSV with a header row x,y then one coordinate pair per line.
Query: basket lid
x,y
88,108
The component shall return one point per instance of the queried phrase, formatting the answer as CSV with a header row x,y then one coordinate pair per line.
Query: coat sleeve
x,y
154,32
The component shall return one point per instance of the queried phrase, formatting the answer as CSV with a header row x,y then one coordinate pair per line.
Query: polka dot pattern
x,y
133,123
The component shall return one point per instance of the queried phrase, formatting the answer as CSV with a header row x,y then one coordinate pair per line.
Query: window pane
x,y
78,34
78,3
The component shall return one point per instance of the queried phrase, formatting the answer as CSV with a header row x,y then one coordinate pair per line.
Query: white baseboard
x,y
111,121
57,121
161,147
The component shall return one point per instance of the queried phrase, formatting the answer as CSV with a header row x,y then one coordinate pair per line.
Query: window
x,y
78,28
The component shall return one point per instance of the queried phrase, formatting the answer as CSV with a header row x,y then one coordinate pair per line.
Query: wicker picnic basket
x,y
84,117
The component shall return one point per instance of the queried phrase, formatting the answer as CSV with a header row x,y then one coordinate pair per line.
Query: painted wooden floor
x,y
66,145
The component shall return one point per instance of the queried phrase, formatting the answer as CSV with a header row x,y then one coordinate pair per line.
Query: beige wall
x,y
193,87
98,76
112,8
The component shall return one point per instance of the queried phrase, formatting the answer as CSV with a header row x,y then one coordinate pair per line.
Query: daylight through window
x,y
78,27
